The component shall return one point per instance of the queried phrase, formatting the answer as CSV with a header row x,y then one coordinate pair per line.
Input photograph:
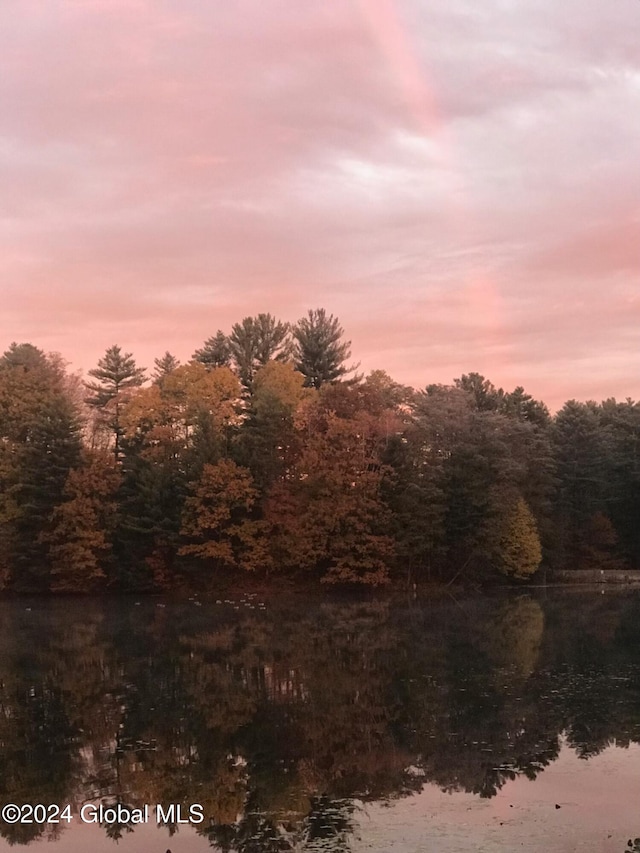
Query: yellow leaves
x,y
223,488
166,413
81,526
327,512
192,388
144,409
98,478
29,382
278,382
519,553
217,519
515,636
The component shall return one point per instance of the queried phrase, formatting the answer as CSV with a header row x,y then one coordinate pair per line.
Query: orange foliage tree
x,y
82,526
217,519
326,511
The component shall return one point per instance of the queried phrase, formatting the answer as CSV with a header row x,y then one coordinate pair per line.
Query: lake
x,y
497,723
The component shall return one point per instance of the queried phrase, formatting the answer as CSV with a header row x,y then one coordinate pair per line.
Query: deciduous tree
x,y
80,539
518,552
170,432
327,512
217,523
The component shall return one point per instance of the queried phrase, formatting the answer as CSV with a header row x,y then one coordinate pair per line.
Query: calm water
x,y
477,724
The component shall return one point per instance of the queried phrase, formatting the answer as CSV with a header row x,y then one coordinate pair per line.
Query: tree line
x,y
268,454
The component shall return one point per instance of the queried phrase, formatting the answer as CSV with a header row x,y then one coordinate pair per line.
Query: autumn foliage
x,y
263,455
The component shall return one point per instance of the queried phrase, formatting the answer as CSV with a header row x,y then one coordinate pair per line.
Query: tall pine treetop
x,y
216,351
319,351
116,371
164,366
255,341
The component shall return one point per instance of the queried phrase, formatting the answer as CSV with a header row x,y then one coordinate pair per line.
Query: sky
x,y
457,181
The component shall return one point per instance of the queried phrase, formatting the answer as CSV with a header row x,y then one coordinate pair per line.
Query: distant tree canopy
x,y
259,454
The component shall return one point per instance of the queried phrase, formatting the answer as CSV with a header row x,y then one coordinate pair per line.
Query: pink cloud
x,y
456,181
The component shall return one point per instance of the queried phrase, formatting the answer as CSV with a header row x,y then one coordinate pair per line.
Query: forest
x,y
269,456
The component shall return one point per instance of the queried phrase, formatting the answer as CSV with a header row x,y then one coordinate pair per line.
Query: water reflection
x,y
282,722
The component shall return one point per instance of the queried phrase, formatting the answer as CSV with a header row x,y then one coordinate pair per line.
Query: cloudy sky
x,y
458,181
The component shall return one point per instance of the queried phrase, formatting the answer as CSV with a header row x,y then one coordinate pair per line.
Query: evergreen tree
x,y
256,341
267,434
163,366
216,351
150,505
582,450
486,397
116,373
39,444
470,457
519,404
319,350
622,424
417,501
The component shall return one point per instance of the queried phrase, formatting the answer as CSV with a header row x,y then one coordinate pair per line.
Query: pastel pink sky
x,y
458,181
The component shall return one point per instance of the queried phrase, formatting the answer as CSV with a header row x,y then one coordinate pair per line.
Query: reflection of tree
x,y
515,635
115,829
277,720
253,833
38,753
328,822
328,825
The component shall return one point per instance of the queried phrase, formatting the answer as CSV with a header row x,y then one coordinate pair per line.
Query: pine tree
x,y
485,396
582,448
216,351
163,366
39,444
267,432
319,351
116,373
519,404
254,342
